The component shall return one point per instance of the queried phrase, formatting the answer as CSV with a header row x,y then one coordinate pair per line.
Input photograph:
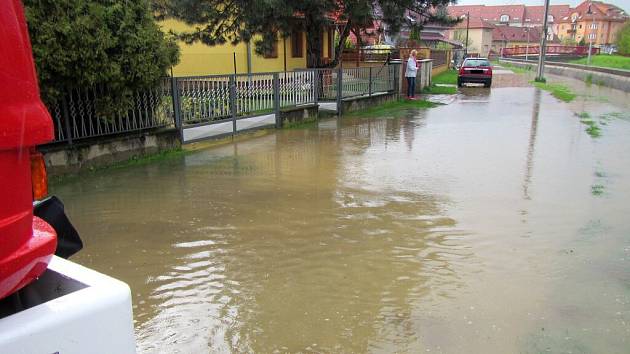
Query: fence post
x,y
370,83
177,110
316,85
233,102
66,120
339,91
276,99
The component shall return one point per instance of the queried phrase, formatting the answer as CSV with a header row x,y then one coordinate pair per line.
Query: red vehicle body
x,y
27,243
475,70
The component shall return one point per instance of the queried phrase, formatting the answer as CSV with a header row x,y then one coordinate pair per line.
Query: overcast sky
x,y
624,4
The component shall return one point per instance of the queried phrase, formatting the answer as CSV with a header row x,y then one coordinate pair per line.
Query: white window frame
x,y
592,36
549,18
593,26
504,18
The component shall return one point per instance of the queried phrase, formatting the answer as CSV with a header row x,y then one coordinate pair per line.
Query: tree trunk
x,y
340,46
314,46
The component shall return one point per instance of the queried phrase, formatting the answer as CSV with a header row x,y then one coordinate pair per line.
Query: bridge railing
x,y
550,50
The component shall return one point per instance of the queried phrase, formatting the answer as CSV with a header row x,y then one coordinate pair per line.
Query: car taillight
x,y
39,177
461,70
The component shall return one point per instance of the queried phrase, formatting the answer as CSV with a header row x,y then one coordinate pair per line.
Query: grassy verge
x,y
392,107
517,69
559,91
134,161
607,61
447,77
440,90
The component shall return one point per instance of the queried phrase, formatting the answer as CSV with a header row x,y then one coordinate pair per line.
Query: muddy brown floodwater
x,y
493,224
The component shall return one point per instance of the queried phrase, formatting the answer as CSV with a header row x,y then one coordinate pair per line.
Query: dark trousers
x,y
411,86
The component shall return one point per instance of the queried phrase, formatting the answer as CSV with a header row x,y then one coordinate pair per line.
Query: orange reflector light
x,y
38,175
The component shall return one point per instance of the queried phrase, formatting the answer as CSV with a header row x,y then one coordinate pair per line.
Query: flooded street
x,y
492,224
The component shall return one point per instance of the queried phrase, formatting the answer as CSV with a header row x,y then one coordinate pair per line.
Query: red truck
x,y
30,223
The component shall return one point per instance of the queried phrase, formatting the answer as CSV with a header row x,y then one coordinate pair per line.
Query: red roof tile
x,y
516,13
475,22
600,11
515,34
535,14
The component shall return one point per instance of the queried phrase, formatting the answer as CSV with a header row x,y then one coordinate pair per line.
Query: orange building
x,y
600,25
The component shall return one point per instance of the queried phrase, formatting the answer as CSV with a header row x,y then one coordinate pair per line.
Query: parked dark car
x,y
475,70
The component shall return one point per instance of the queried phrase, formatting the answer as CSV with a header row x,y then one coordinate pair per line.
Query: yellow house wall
x,y
201,59
479,39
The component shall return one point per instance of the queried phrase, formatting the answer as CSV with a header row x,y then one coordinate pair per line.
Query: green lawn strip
x,y
606,61
440,90
559,91
392,107
446,77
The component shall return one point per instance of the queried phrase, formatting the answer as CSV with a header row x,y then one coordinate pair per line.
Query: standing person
x,y
410,74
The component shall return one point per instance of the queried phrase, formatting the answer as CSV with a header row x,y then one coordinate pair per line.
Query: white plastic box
x,y
71,309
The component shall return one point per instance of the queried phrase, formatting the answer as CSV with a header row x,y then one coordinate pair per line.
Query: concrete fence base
x,y
66,159
358,103
300,114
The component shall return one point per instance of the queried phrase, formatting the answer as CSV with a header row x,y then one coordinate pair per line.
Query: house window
x,y
504,18
550,18
296,44
593,26
273,53
580,26
573,17
592,36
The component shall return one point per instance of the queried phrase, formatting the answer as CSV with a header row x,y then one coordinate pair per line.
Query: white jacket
x,y
412,68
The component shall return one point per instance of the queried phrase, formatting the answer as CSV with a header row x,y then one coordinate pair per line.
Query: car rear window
x,y
476,62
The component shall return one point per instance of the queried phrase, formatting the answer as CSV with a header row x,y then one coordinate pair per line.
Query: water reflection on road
x,y
470,227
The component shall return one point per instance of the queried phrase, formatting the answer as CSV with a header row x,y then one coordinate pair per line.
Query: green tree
x,y
79,43
623,39
221,21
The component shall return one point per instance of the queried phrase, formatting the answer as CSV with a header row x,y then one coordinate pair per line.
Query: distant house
x,y
287,54
600,25
479,35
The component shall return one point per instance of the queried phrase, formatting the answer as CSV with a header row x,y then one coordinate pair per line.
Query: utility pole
x,y
590,40
543,46
527,47
467,27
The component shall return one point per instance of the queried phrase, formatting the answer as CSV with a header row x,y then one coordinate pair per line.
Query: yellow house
x,y
479,35
200,59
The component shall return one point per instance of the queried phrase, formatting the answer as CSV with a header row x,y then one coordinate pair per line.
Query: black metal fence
x,y
181,101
